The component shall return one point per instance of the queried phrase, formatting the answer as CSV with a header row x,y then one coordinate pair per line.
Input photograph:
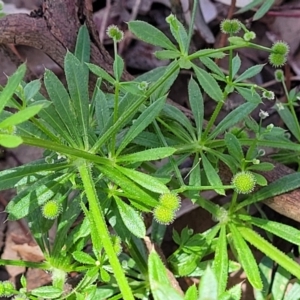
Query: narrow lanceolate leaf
x,y
251,72
196,102
212,175
209,84
234,147
35,195
78,88
286,232
118,67
263,9
21,116
261,244
212,66
50,116
246,257
147,155
150,34
82,50
208,287
9,178
288,119
102,109
128,186
284,184
101,73
11,86
233,117
47,292
159,281
236,64
62,102
248,94
147,116
220,265
131,218
146,181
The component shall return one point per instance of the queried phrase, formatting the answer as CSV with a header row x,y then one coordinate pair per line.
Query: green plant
x,y
100,166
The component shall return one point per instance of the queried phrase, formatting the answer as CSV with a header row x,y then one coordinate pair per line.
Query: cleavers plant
x,y
100,169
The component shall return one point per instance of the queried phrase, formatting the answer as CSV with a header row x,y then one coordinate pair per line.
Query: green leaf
x,y
195,174
47,292
11,86
167,54
101,73
234,293
78,83
249,6
10,141
246,257
179,33
294,292
233,117
280,282
260,179
266,267
209,84
159,281
9,178
83,258
263,9
263,166
102,109
282,185
34,196
50,116
196,103
21,116
248,94
131,218
234,147
147,155
261,244
191,293
236,64
212,175
147,116
288,119
146,181
129,187
208,287
82,49
212,66
150,34
251,72
31,89
118,67
286,232
62,102
174,113
220,265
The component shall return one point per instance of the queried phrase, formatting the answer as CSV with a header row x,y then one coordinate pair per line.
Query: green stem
x,y
212,119
233,202
102,230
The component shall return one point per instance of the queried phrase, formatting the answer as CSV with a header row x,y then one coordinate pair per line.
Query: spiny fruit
x,y
244,182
